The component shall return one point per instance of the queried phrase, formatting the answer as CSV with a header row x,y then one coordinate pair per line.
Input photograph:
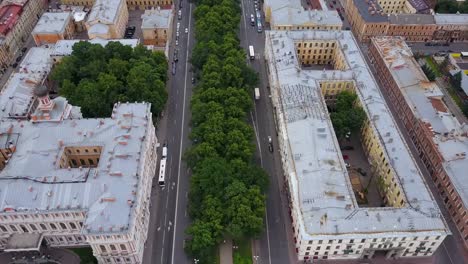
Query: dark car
x,y
24,49
19,59
14,65
193,80
173,68
347,148
176,55
446,44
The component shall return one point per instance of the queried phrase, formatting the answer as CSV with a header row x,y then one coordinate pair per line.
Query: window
x,y
112,247
63,226
13,228
123,247
33,227
72,225
53,226
43,227
103,248
3,228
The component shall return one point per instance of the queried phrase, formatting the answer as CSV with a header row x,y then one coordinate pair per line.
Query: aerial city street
x,y
234,132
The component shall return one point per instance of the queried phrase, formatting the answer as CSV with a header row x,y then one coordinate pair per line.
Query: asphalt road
x,y
169,217
451,250
275,244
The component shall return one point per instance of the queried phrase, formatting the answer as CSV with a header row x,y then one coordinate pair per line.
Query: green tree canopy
x,y
348,117
95,77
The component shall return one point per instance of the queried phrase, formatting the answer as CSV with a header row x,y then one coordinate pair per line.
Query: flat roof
x,y
299,16
24,242
369,11
460,19
107,193
64,47
156,18
419,5
319,182
17,96
52,23
412,19
9,15
105,11
448,134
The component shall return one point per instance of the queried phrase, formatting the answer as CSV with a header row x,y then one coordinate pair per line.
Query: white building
x,y
327,221
72,181
107,19
52,27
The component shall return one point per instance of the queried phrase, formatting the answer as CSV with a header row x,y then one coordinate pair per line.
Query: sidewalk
x,y
225,252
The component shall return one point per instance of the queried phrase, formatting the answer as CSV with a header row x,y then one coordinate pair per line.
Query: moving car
x,y
252,20
186,30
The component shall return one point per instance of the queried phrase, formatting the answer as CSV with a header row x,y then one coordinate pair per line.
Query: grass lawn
x,y
86,255
434,67
242,255
455,96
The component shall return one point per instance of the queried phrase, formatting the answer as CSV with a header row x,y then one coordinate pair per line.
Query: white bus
x,y
162,173
251,52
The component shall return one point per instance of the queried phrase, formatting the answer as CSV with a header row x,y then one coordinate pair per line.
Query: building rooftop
x,y
156,18
107,193
299,16
9,15
320,184
370,11
458,19
52,23
16,97
425,99
419,5
105,11
64,47
411,19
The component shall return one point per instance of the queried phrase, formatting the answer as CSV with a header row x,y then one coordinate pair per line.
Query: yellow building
x,y
108,19
156,26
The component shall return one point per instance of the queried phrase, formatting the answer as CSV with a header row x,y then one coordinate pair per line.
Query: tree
x,y
348,116
95,77
446,6
429,73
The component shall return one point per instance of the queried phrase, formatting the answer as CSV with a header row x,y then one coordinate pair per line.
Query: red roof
x,y
9,14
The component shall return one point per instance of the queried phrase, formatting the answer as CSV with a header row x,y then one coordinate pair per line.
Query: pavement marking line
x,y
268,235
257,138
182,138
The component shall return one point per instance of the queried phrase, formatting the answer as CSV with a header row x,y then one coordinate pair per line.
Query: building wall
x,y
412,32
116,28
422,139
48,38
304,27
132,4
157,36
18,35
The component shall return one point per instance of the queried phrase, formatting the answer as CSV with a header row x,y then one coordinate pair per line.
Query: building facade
x,y
132,4
107,19
441,140
53,27
156,26
328,221
19,18
408,19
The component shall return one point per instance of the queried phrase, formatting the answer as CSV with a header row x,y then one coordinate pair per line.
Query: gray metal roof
x,y
412,19
299,16
52,23
368,11
32,180
320,186
105,11
458,19
156,18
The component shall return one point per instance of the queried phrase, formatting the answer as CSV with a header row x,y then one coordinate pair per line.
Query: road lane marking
x,y
447,253
182,139
257,137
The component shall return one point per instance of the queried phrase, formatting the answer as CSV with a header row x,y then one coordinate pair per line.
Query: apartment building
x,y
17,20
441,140
93,186
292,16
408,19
328,222
156,26
107,19
132,4
52,27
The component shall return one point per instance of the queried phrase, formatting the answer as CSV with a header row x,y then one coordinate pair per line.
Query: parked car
x,y
18,59
179,15
176,55
193,79
186,30
24,49
347,148
173,68
446,44
345,157
361,171
14,65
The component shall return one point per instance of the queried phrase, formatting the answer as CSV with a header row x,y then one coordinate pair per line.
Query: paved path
x,y
47,255
225,252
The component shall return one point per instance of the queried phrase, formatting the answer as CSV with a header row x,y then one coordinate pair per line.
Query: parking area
x,y
360,173
134,21
422,48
